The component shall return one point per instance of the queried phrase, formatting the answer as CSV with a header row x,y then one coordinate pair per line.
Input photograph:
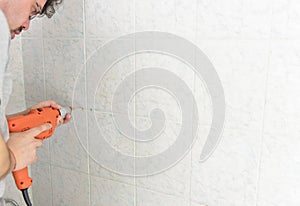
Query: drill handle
x,y
22,179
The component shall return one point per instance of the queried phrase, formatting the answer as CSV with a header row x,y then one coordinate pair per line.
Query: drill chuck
x,y
64,111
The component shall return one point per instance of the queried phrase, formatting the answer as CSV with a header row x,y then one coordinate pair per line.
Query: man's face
x,y
18,12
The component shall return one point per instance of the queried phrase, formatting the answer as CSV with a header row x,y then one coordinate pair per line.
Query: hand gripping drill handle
x,y
34,118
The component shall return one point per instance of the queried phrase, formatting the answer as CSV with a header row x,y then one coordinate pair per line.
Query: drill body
x,y
34,118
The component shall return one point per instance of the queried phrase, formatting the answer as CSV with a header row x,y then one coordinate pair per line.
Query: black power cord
x,y
26,196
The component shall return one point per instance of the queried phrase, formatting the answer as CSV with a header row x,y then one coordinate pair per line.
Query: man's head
x,y
19,12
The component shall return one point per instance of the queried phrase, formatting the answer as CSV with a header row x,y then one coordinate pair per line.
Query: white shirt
x,y
5,82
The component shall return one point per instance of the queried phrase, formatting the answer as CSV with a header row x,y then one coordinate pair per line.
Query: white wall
x,y
254,46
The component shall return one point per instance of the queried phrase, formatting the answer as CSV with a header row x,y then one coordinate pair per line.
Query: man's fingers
x,y
49,103
38,142
67,119
60,121
39,129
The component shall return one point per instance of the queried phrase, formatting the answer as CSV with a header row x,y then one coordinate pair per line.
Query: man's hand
x,y
24,145
52,104
48,103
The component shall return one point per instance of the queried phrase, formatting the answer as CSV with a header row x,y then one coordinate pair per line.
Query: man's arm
x,y
5,159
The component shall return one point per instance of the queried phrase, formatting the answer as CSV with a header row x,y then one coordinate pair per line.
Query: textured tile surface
x,y
63,62
285,19
230,172
42,185
279,170
237,36
106,72
154,96
69,187
107,192
150,198
242,69
109,19
173,16
67,150
104,139
173,181
67,22
234,19
32,50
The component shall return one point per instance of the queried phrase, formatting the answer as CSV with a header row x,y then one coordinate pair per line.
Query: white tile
x,y
158,139
111,152
92,46
109,19
279,174
203,101
69,187
161,96
107,77
97,170
107,192
67,21
67,149
43,153
42,185
176,16
108,129
242,69
229,176
173,181
234,19
280,149
186,19
196,204
150,198
32,51
285,19
63,62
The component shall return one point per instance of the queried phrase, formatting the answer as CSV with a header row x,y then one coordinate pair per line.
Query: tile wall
x,y
254,46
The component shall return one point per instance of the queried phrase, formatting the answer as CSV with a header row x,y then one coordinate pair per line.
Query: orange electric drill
x,y
34,118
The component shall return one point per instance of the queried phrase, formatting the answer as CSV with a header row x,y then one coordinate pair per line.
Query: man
x,y
17,150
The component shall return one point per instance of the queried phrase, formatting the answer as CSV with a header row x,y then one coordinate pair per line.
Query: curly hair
x,y
49,7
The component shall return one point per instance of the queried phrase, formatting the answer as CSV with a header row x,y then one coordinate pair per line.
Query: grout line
x,y
108,38
143,117
134,111
67,168
163,193
53,38
22,63
85,173
86,116
194,91
45,96
259,167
